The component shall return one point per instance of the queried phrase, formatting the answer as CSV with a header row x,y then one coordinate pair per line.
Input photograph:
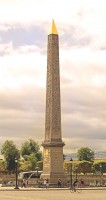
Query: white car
x,y
11,183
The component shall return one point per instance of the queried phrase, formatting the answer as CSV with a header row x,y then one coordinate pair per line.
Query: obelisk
x,y
53,144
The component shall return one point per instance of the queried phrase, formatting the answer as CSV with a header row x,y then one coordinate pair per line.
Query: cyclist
x,y
75,184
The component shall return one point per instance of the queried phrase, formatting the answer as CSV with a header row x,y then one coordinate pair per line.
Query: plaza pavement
x,y
51,194
40,189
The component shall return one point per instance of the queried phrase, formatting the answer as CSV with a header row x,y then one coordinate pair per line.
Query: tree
x,y
2,165
99,167
10,152
85,153
39,164
67,166
84,167
32,161
31,147
24,166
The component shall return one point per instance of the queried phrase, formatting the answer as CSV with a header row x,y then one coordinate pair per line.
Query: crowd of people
x,y
59,183
45,183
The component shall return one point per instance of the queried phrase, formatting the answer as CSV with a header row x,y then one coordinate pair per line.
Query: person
x,y
75,184
47,183
59,183
82,182
24,183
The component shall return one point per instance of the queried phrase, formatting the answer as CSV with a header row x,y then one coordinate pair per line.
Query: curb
x,y
43,189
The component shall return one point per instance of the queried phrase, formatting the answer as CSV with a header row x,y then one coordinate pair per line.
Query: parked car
x,y
11,183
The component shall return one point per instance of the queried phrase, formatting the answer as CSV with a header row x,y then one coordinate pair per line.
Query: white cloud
x,y
82,30
23,66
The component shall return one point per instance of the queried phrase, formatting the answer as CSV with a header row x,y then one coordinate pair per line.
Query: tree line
x,y
86,163
30,158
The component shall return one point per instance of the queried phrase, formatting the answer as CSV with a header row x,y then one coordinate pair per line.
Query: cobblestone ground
x,y
53,195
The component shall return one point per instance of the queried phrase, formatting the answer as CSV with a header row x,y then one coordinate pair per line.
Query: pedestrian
x,y
59,183
24,183
82,182
45,184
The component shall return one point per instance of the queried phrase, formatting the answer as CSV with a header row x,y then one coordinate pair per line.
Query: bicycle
x,y
77,189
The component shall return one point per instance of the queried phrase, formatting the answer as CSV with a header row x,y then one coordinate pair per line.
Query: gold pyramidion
x,y
53,28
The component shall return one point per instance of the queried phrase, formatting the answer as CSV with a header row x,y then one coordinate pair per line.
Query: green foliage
x,y
66,166
31,147
32,160
99,167
2,165
31,164
30,151
85,153
24,166
40,165
84,167
10,152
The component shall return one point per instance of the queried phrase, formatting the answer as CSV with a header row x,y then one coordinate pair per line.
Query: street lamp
x,y
16,166
71,160
100,166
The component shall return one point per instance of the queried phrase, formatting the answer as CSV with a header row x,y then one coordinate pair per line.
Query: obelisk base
x,y
53,162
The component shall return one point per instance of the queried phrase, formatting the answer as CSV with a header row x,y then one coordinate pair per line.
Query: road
x,y
53,195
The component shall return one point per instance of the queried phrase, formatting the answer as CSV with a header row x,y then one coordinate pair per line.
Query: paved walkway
x,y
51,194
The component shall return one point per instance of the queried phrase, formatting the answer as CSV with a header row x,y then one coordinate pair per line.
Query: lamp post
x,y
100,166
71,160
16,167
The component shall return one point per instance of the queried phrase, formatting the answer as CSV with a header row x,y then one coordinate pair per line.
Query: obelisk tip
x,y
53,28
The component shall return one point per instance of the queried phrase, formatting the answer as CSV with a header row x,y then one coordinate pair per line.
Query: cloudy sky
x,y
24,26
